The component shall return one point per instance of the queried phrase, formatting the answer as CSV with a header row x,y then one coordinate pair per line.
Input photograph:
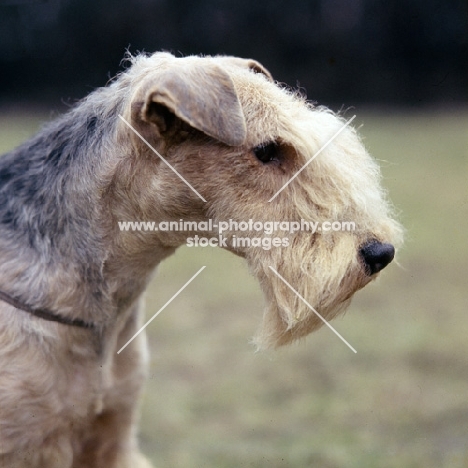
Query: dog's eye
x,y
267,152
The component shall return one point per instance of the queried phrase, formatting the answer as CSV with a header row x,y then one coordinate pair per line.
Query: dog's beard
x,y
304,286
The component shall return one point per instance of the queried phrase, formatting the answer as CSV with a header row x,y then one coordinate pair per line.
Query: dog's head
x,y
239,148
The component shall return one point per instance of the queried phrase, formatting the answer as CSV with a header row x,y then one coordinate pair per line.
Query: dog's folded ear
x,y
202,96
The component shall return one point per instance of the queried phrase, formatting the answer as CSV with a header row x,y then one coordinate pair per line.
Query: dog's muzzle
x,y
376,256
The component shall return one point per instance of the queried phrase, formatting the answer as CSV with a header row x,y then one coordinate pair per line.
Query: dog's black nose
x,y
376,256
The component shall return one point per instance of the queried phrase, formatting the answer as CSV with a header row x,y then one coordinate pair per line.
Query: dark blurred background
x,y
341,52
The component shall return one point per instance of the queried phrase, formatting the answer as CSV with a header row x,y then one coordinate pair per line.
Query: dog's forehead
x,y
270,110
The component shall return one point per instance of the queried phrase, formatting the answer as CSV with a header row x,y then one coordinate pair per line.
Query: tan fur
x,y
68,399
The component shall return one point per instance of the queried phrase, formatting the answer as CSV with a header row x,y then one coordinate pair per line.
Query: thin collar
x,y
46,314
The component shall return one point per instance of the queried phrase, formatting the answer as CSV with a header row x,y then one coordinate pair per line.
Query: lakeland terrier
x,y
170,139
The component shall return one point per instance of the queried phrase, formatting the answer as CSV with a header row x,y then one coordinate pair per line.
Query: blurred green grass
x,y
401,401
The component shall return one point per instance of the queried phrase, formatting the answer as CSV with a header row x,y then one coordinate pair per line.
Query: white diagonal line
x,y
162,159
312,158
161,309
312,309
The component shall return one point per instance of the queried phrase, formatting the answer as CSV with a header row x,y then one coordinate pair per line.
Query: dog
x,y
170,139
